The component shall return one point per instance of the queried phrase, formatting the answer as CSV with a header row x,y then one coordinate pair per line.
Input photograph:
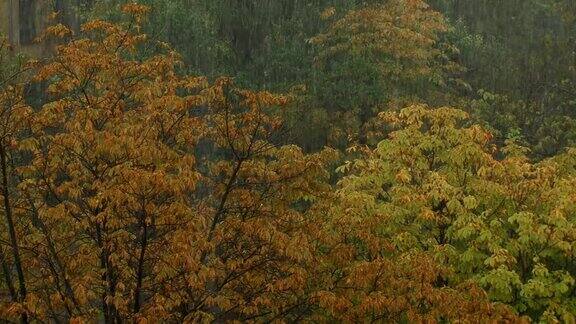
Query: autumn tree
x,y
505,224
127,222
111,165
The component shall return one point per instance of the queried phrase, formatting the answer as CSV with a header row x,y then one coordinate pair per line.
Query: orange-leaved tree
x,y
150,195
111,168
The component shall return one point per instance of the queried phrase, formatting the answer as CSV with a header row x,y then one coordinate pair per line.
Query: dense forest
x,y
390,161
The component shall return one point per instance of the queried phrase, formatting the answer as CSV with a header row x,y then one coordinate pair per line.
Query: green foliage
x,y
522,52
261,43
362,49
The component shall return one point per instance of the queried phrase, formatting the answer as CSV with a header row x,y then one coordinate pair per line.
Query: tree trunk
x,y
11,227
140,274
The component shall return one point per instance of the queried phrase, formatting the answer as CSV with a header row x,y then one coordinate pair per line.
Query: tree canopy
x,y
285,161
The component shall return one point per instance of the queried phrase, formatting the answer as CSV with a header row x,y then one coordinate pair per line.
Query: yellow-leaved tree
x,y
438,187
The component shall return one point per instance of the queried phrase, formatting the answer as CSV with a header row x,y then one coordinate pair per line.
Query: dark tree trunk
x,y
11,227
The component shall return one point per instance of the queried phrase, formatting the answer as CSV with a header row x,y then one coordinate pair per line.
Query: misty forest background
x,y
288,160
